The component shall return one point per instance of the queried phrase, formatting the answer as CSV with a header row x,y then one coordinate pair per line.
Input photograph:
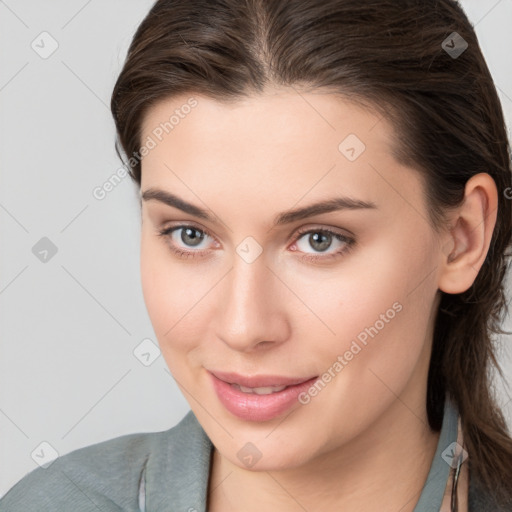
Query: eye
x,y
188,235
321,239
181,237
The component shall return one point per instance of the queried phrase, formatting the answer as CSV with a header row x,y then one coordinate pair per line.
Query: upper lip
x,y
257,381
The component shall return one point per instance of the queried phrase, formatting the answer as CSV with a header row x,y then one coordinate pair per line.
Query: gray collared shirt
x,y
168,472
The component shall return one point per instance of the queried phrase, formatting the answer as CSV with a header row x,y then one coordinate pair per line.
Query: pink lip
x,y
253,407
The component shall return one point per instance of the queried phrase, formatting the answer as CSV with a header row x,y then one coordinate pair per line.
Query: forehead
x,y
269,118
279,146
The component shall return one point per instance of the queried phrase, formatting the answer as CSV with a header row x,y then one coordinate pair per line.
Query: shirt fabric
x,y
168,472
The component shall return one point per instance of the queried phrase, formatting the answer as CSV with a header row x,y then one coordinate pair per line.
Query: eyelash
x,y
311,258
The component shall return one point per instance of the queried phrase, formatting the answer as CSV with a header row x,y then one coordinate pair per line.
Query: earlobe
x,y
470,235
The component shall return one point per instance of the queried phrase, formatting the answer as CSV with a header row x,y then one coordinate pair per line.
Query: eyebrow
x,y
287,217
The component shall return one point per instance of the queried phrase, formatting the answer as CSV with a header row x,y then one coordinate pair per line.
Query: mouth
x,y
258,398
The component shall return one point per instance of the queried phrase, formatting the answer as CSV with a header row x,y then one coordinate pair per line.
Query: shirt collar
x,y
432,494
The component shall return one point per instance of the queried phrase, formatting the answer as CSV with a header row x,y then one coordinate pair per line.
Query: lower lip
x,y
253,407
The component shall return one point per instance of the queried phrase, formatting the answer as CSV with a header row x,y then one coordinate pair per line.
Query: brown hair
x,y
446,113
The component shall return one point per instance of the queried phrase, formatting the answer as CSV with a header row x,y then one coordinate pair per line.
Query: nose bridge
x,y
249,312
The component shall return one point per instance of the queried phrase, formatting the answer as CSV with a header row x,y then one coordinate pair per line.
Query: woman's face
x,y
237,292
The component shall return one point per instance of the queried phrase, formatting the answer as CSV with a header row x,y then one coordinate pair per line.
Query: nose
x,y
251,312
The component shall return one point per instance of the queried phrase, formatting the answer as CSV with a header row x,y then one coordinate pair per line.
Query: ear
x,y
467,242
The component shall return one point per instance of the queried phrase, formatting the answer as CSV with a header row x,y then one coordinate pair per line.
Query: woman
x,y
325,192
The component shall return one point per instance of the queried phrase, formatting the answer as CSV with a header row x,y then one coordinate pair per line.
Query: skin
x,y
350,447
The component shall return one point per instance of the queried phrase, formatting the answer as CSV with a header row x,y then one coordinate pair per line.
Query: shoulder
x,y
104,476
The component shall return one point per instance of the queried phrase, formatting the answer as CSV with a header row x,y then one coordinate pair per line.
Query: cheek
x,y
368,284
155,279
173,292
162,286
377,304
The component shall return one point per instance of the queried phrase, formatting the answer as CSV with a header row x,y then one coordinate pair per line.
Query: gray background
x,y
70,324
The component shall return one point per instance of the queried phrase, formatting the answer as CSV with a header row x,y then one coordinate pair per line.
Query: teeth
x,y
260,391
